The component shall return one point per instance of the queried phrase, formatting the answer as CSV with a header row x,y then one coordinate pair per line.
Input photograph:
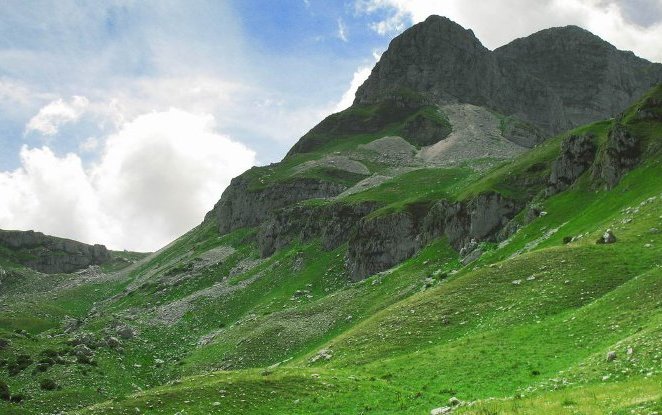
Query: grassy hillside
x,y
546,321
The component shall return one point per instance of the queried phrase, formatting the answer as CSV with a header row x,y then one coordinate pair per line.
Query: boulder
x,y
607,238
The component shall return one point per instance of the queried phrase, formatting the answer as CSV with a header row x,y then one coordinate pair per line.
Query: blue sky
x,y
62,49
122,121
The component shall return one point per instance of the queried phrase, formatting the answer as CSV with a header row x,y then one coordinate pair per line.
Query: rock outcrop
x,y
621,154
332,223
577,155
382,242
49,254
241,206
556,79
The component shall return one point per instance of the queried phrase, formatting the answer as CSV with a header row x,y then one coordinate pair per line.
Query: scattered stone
x,y
607,238
82,350
454,401
441,411
126,332
87,339
324,354
71,324
611,356
517,282
113,342
300,294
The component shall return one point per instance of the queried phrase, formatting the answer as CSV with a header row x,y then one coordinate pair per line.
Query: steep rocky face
x,y
379,243
577,155
438,57
621,155
49,254
481,219
240,206
331,223
592,78
556,79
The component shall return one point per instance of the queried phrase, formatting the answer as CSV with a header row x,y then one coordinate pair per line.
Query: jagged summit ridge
x,y
557,78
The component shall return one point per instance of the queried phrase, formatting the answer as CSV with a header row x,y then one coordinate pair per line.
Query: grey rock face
x,y
241,206
592,78
379,243
332,223
556,79
438,57
621,155
50,254
577,155
481,219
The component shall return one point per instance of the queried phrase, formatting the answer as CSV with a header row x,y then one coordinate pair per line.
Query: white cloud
x,y
156,178
342,31
57,113
499,22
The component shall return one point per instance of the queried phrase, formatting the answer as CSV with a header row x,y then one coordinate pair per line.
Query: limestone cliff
x,y
49,254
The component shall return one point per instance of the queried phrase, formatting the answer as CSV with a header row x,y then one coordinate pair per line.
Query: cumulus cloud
x,y
57,113
498,22
156,178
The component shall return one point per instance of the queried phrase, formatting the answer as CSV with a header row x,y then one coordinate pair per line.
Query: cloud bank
x,y
154,180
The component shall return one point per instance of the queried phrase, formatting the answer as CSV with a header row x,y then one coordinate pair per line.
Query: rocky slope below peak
x,y
557,79
49,254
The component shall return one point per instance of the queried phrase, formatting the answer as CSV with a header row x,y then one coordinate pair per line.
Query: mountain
x,y
420,252
556,79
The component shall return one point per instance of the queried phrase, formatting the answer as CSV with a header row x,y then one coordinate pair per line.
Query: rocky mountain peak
x,y
556,79
432,57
